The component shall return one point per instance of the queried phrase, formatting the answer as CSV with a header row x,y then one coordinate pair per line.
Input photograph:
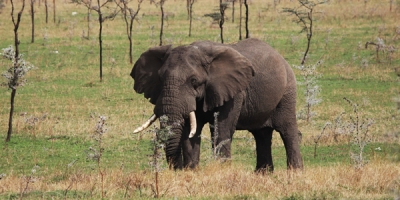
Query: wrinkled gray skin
x,y
250,85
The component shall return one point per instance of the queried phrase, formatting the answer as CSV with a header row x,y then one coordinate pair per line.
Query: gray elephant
x,y
249,84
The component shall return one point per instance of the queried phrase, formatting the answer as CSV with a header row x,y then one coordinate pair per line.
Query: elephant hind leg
x,y
263,138
284,121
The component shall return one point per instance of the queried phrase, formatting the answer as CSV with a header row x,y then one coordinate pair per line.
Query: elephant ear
x,y
229,73
145,72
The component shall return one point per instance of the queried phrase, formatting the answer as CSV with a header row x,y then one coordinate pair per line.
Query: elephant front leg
x,y
191,146
220,144
224,125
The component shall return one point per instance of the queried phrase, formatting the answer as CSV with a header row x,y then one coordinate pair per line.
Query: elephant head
x,y
180,80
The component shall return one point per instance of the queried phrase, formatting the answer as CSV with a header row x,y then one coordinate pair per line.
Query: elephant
x,y
249,85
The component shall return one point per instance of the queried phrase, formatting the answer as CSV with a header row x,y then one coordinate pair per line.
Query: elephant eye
x,y
194,82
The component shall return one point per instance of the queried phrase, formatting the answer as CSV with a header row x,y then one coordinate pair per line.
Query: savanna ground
x,y
57,110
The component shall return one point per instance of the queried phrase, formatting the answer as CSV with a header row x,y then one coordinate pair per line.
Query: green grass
x,y
58,152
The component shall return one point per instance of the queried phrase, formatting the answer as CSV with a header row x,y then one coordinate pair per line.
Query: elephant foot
x,y
264,170
191,166
223,161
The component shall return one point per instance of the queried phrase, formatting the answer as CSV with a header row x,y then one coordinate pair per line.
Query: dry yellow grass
x,y
377,180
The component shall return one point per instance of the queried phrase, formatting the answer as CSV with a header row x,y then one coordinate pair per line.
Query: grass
x,y
62,158
65,94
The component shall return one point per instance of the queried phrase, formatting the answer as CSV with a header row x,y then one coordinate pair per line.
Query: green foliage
x,y
215,16
303,13
19,67
159,143
359,128
309,77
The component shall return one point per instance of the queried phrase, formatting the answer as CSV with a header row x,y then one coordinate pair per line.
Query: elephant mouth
x,y
153,118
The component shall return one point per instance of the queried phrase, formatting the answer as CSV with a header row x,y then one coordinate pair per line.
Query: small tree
x,y
190,11
101,20
129,16
309,75
240,19
247,19
187,8
15,74
31,178
159,142
359,129
89,17
32,3
233,11
96,153
379,46
161,4
46,7
222,8
54,11
304,14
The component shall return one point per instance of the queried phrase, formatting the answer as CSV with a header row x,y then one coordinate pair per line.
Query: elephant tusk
x,y
145,125
193,124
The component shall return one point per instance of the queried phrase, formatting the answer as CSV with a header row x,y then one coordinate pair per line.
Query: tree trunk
x,y
130,41
162,21
240,19
101,45
309,36
129,27
100,40
88,21
10,120
222,20
233,11
190,16
33,20
188,7
54,11
46,6
247,19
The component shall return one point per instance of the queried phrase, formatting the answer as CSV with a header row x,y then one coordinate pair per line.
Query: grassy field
x,y
57,110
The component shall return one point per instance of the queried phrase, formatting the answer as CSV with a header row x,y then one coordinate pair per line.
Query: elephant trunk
x,y
173,104
173,150
170,106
